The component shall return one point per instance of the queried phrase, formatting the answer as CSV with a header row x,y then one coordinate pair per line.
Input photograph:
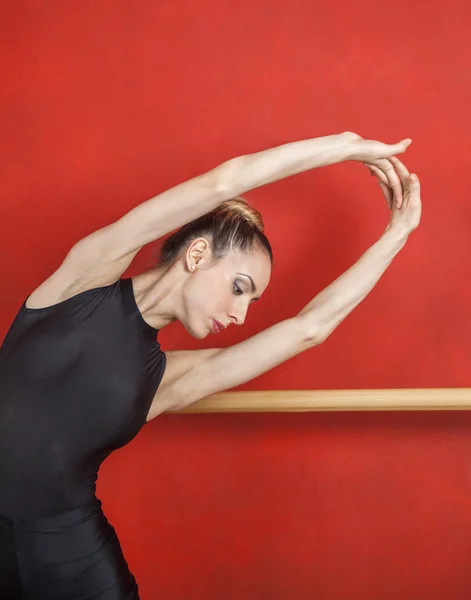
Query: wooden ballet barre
x,y
333,400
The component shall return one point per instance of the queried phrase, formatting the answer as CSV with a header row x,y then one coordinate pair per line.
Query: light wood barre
x,y
333,400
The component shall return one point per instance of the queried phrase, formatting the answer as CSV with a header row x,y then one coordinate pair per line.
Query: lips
x,y
217,326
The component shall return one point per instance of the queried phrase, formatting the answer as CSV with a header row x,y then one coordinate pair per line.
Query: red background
x,y
105,104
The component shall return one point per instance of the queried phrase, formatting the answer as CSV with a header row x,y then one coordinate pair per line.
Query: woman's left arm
x,y
229,367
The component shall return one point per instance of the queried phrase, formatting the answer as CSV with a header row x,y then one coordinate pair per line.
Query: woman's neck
x,y
158,294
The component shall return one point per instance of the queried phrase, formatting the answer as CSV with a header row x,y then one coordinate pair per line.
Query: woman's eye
x,y
237,290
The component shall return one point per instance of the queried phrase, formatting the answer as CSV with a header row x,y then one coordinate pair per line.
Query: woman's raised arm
x,y
189,200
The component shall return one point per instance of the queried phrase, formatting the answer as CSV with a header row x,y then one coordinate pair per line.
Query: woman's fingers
x,y
410,215
401,170
394,180
388,195
389,177
415,183
414,190
401,146
379,174
383,183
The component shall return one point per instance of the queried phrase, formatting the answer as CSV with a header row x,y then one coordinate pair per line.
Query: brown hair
x,y
233,225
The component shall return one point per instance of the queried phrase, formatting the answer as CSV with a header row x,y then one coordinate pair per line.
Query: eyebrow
x,y
254,289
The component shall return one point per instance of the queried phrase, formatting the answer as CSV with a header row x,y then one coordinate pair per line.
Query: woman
x,y
81,371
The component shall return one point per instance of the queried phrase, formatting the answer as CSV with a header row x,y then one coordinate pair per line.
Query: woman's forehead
x,y
256,264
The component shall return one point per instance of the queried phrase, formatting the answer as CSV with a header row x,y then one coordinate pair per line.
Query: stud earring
x,y
192,267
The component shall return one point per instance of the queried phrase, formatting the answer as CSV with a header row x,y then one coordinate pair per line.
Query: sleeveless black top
x,y
77,380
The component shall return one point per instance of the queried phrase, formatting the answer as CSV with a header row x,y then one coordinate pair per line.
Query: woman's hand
x,y
375,155
406,218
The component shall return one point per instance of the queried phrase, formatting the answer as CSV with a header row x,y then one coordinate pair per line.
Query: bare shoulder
x,y
92,262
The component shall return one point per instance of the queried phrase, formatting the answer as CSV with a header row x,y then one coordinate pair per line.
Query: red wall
x,y
104,104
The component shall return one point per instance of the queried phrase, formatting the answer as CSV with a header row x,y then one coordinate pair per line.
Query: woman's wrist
x,y
396,236
350,143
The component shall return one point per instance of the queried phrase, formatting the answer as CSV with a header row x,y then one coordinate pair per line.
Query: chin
x,y
195,332
198,335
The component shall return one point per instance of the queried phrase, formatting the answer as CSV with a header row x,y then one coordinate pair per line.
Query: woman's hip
x,y
72,555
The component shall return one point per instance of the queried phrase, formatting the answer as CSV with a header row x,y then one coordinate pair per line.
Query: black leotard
x,y
77,380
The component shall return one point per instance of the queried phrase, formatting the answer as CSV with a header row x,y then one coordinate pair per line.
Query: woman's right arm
x,y
189,200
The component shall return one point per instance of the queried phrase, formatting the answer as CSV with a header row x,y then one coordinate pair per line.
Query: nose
x,y
238,315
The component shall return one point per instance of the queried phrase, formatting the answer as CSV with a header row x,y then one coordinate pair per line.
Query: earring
x,y
192,267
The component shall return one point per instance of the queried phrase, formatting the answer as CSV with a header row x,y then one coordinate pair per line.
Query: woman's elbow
x,y
226,179
312,331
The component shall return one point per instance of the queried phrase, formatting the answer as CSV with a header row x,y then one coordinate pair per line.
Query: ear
x,y
198,254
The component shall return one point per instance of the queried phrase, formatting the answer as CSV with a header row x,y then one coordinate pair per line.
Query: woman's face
x,y
218,294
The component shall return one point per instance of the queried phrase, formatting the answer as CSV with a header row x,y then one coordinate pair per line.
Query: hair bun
x,y
233,225
240,207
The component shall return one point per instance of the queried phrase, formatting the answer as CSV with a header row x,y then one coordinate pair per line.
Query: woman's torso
x,y
76,382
